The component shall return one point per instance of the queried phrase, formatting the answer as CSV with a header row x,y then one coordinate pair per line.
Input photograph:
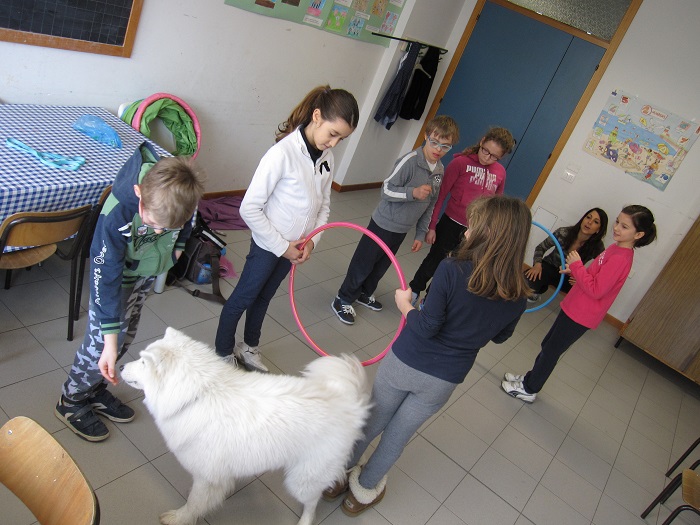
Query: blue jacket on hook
x,y
389,107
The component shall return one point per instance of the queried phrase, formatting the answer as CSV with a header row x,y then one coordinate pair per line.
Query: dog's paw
x,y
175,517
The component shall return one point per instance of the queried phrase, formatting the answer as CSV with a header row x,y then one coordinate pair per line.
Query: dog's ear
x,y
170,332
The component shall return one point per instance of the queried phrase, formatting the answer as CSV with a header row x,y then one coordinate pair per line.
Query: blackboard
x,y
96,26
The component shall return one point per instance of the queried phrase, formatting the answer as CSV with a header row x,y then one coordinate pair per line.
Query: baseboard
x,y
337,187
218,194
614,322
356,187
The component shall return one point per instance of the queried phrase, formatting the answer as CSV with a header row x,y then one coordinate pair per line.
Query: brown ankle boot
x,y
359,499
338,488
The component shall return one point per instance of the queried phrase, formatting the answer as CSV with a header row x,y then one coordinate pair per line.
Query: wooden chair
x,y
40,231
90,232
691,495
670,489
682,458
42,474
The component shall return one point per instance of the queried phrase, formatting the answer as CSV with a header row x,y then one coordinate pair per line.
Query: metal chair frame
x,y
40,232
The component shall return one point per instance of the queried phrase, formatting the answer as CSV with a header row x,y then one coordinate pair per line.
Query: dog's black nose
x,y
121,368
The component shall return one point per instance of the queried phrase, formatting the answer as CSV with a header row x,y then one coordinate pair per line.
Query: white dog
x,y
223,423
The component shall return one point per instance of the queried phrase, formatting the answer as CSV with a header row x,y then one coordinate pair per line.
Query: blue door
x,y
524,75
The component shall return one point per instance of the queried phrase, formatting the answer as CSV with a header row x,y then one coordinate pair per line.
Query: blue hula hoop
x,y
563,264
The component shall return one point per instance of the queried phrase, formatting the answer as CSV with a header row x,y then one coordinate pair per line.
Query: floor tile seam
x,y
671,460
600,497
635,511
61,368
617,455
466,472
608,411
578,415
535,442
494,493
537,481
556,496
271,489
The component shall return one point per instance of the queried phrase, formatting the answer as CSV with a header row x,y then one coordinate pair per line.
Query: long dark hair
x,y
499,227
588,249
333,104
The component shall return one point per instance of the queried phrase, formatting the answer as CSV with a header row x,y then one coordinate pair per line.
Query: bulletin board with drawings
x,y
356,19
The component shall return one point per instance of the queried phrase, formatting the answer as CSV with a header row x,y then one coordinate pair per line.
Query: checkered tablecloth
x,y
28,185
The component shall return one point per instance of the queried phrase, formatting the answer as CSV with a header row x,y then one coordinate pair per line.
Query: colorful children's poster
x,y
358,19
336,19
379,7
355,26
389,23
646,141
315,7
360,5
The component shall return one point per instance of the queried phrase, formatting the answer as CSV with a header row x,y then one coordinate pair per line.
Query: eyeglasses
x,y
486,153
164,230
442,147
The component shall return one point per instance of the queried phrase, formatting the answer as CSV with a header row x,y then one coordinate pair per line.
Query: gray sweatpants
x,y
84,377
403,399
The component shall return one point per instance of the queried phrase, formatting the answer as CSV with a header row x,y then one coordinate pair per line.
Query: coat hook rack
x,y
422,44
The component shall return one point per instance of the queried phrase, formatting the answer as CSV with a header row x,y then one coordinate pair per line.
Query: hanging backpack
x,y
200,262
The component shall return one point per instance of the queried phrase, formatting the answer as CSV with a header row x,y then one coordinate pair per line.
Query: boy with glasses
x,y
140,233
408,197
472,173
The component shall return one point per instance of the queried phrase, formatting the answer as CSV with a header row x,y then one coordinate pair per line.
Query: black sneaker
x,y
82,420
345,312
105,404
368,301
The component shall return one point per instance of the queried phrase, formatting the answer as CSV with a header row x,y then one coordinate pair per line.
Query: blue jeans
x,y
262,274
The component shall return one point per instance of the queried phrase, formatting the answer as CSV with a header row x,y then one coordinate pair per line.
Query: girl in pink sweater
x,y
473,173
586,304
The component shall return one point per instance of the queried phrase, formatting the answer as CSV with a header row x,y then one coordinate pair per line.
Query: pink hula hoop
x,y
389,254
136,121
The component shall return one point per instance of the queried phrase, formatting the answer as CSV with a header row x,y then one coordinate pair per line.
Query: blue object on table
x,y
561,279
53,160
96,128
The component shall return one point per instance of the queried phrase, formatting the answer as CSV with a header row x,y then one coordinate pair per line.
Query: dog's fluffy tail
x,y
343,375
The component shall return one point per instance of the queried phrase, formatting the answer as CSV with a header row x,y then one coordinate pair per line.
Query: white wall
x,y
657,61
242,73
372,148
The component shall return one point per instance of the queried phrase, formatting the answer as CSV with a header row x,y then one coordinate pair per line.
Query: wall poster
x,y
646,141
356,19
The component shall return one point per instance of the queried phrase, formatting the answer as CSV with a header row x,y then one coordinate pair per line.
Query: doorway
x,y
529,74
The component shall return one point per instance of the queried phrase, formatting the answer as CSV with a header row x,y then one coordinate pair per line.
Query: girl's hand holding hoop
x,y
293,253
403,300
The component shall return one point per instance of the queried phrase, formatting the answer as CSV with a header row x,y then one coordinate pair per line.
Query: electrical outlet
x,y
568,176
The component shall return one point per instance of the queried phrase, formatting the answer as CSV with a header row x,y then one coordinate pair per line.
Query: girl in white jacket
x,y
287,199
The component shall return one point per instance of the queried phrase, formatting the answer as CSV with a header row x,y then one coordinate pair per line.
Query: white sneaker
x,y
231,360
516,389
513,377
250,357
535,297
